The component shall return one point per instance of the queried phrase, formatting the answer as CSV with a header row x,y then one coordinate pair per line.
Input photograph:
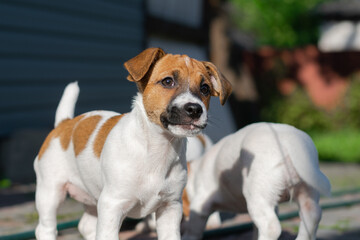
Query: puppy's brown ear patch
x,y
104,132
83,131
221,86
140,65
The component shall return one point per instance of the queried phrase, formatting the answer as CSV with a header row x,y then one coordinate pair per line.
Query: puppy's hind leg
x,y
309,211
262,212
48,198
87,224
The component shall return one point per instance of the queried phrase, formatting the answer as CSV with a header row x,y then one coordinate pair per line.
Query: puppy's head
x,y
176,89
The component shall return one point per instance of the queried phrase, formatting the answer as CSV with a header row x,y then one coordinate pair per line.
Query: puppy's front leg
x,y
111,212
168,218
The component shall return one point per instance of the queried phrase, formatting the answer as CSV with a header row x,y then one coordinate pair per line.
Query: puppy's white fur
x,y
197,146
252,171
131,164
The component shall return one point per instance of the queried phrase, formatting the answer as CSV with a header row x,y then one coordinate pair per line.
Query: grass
x,y
33,217
338,146
342,225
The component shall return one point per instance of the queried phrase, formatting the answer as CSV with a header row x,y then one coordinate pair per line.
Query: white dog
x,y
131,164
252,171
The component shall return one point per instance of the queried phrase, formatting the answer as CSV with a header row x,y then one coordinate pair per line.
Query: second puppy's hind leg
x,y
261,208
87,224
309,211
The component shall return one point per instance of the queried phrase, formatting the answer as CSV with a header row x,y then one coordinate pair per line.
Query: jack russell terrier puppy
x,y
129,164
252,171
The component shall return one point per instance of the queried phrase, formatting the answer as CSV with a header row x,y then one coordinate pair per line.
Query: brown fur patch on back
x,y
63,131
104,132
83,131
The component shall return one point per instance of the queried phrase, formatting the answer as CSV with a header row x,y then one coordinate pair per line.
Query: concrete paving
x,y
18,214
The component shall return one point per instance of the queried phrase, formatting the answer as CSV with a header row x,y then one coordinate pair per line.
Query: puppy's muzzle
x,y
188,115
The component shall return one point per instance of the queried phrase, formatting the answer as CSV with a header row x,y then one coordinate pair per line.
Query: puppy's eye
x,y
168,82
205,89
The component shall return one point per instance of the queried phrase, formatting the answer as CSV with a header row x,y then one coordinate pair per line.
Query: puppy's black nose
x,y
193,110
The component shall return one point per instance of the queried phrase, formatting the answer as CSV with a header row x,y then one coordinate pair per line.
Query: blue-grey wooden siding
x,y
45,44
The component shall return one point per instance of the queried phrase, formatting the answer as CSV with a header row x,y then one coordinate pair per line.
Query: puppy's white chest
x,y
155,189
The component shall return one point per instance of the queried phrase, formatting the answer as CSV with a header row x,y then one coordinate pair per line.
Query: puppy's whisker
x,y
171,139
213,123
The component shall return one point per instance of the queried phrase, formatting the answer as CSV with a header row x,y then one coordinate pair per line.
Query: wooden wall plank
x,y
44,45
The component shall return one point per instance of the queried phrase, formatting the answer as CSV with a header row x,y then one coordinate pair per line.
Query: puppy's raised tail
x,y
66,107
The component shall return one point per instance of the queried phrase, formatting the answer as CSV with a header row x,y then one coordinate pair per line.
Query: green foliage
x,y
352,103
278,23
341,146
297,110
336,133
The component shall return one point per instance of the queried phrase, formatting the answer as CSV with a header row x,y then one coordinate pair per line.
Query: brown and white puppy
x,y
131,164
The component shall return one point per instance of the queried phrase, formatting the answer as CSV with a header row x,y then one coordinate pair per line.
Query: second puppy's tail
x,y
66,107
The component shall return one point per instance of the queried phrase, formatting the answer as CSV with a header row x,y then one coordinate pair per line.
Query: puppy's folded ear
x,y
221,86
139,66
